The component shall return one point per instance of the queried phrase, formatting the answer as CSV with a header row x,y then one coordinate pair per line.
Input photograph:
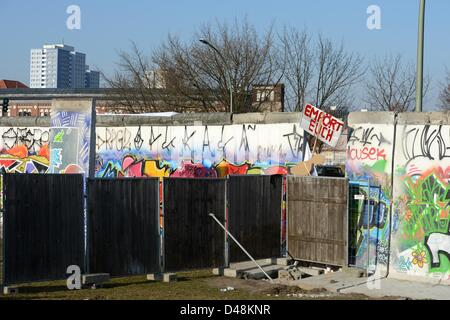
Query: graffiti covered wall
x,y
197,151
420,229
153,150
412,173
369,162
70,136
24,149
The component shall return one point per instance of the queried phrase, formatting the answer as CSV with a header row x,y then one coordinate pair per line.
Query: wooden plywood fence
x,y
317,219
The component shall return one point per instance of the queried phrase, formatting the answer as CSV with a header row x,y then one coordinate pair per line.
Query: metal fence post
x,y
368,226
4,218
161,228
86,224
286,221
226,243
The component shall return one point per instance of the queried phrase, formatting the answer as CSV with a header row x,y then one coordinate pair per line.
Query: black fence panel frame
x,y
65,239
141,250
256,222
209,248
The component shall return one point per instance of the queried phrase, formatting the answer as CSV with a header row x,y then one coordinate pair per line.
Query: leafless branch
x,y
392,85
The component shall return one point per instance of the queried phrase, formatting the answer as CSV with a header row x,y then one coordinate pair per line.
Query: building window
x,y
265,95
44,112
24,113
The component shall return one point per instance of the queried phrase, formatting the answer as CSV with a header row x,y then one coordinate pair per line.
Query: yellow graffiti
x,y
151,169
15,164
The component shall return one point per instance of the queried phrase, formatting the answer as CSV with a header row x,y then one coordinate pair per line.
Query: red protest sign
x,y
321,125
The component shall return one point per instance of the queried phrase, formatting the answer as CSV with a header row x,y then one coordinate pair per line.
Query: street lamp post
x,y
230,87
419,73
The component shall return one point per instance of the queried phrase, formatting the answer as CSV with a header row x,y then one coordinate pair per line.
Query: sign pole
x,y
316,138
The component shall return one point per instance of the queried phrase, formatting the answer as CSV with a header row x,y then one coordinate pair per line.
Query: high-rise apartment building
x,y
91,78
59,66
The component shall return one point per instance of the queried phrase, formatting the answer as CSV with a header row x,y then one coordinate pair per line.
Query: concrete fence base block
x,y
233,273
170,277
10,290
94,280
155,277
218,271
282,261
311,271
289,275
356,272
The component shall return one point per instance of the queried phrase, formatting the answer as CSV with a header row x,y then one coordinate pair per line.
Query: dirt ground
x,y
201,285
278,291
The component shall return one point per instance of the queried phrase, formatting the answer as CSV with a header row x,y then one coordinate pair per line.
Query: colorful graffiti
x,y
197,151
69,141
421,228
369,216
131,166
24,150
419,195
369,159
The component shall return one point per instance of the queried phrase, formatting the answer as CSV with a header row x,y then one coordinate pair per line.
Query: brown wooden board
x,y
192,239
43,226
254,216
317,219
123,224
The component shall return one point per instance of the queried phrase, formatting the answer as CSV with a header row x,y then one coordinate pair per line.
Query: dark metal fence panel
x,y
317,219
43,226
254,216
356,207
124,237
368,216
192,239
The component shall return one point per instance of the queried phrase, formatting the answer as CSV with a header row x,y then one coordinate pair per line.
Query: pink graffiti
x,y
276,170
131,167
364,153
197,170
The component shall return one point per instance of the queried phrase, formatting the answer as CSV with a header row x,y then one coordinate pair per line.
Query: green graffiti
x,y
427,211
59,137
400,171
379,166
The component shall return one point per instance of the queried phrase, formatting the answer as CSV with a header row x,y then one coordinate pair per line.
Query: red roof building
x,y
11,84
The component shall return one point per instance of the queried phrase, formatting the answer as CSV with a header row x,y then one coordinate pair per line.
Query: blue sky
x,y
107,26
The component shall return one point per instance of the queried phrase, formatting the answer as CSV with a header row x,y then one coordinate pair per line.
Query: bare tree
x,y
318,72
444,96
297,52
133,83
336,72
201,74
392,85
194,76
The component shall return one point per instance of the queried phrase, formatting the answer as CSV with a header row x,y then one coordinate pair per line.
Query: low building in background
x,y
35,102
11,84
29,108
270,98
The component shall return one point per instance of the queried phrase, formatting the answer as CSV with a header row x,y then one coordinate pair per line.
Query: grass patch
x,y
190,285
194,285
